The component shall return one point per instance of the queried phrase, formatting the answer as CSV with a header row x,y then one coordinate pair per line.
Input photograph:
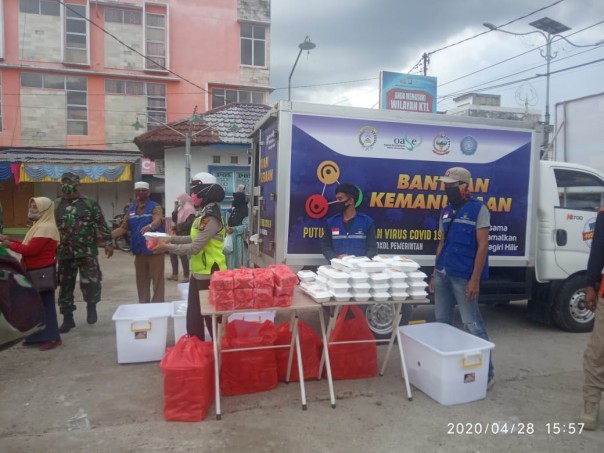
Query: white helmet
x,y
203,178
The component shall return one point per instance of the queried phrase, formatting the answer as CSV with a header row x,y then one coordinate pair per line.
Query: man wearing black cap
x,y
80,221
348,232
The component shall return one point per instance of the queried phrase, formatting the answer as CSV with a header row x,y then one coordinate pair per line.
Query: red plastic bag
x,y
248,371
282,301
310,347
222,280
263,278
263,298
243,278
188,370
244,298
283,275
223,300
355,360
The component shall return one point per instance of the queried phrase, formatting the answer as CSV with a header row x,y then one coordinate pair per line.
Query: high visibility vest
x,y
212,253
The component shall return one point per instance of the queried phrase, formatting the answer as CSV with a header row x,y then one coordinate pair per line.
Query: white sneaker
x,y
589,415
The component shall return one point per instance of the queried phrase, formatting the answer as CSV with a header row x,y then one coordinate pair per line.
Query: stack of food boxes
x,y
244,289
362,279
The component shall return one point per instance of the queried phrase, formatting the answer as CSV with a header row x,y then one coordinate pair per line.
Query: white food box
x,y
341,265
359,276
360,287
405,266
399,286
447,364
354,262
179,319
383,259
380,287
396,275
379,277
333,274
318,294
141,331
416,275
311,286
417,295
341,297
417,284
371,266
380,296
399,295
338,287
306,276
321,281
361,297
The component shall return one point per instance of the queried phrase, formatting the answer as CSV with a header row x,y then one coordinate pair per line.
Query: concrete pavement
x,y
538,372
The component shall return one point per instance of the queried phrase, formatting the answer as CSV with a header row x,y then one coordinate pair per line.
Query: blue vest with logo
x,y
459,250
136,222
353,243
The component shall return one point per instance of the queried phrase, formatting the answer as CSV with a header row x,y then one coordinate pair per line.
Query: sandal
x,y
184,280
172,277
50,345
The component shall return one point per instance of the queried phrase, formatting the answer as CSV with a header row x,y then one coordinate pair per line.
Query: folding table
x,y
300,302
397,306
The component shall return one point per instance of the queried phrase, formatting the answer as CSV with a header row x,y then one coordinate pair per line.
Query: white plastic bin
x,y
254,316
141,332
447,364
183,289
179,317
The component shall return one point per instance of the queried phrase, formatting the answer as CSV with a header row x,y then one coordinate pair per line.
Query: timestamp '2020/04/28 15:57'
x,y
518,428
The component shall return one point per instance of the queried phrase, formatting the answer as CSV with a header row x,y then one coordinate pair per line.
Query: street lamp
x,y
549,29
306,45
188,135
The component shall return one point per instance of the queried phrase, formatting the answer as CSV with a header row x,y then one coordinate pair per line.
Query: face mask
x,y
34,215
454,196
142,196
200,194
68,189
340,206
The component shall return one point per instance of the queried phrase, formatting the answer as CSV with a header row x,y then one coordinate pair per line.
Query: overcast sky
x,y
356,39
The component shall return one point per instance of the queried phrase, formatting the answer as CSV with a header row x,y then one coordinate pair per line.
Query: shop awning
x,y
43,165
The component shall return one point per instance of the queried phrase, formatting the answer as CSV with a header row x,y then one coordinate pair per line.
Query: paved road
x,y
538,372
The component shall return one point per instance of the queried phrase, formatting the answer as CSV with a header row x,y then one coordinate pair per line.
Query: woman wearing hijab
x,y
204,245
182,218
237,226
38,250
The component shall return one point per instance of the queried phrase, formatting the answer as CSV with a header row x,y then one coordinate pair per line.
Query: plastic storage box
x,y
141,331
179,318
447,364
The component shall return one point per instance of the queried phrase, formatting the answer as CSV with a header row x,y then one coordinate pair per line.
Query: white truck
x,y
542,212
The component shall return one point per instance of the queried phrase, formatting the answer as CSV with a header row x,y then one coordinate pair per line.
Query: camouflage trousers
x,y
90,281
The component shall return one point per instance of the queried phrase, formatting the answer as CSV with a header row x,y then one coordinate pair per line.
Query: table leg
x,y
333,314
296,336
216,341
292,326
396,321
327,363
403,365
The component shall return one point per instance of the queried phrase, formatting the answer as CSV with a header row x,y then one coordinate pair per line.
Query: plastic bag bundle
x,y
188,370
222,280
243,278
263,298
248,371
355,360
310,348
283,276
263,278
244,298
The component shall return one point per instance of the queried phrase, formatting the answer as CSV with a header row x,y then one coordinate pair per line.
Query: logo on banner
x,y
441,144
368,137
574,217
468,145
405,143
588,231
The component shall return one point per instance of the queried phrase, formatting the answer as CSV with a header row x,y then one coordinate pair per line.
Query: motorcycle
x,y
122,242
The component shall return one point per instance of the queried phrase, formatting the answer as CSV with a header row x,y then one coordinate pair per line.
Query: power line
x,y
484,32
131,48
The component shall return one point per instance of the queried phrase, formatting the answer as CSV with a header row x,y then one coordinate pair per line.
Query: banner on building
x,y
407,92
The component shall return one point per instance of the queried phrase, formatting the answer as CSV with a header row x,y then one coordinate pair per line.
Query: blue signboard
x,y
407,92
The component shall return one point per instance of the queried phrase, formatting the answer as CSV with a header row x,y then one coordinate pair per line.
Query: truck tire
x,y
570,312
380,317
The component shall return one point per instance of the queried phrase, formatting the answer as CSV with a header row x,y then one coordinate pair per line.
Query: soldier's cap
x,y
456,174
71,177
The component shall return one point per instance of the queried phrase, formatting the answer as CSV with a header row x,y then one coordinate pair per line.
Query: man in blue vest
x,y
461,256
348,232
144,216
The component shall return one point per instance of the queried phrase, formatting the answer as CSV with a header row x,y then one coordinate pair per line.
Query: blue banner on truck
x,y
268,184
396,166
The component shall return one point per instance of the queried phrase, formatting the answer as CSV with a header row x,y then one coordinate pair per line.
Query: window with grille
x,y
230,177
221,96
76,94
253,45
123,16
76,34
43,7
155,41
156,104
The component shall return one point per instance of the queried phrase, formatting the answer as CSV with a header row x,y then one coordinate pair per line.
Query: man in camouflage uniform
x,y
80,221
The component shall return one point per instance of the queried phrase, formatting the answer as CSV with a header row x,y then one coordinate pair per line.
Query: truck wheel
x,y
380,317
570,312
